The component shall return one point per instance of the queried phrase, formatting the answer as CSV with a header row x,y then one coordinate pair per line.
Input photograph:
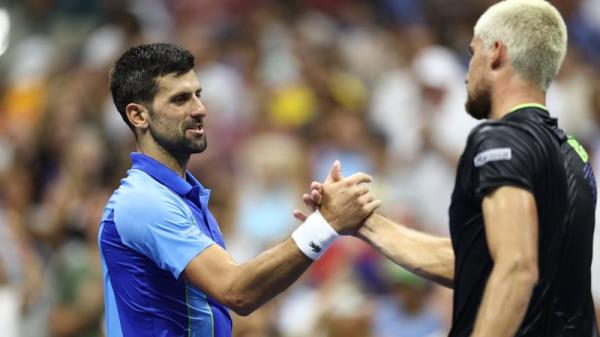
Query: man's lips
x,y
198,129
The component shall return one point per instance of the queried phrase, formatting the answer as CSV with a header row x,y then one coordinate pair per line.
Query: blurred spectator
x,y
10,302
584,29
268,182
404,310
420,109
20,265
594,146
343,135
76,279
568,96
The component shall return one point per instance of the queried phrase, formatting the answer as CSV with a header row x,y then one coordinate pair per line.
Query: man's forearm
x,y
426,255
505,301
267,275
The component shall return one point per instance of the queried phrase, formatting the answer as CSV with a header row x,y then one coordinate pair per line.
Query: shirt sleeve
x,y
160,228
502,156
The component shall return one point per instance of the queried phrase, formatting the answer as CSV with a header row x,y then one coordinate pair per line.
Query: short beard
x,y
479,105
177,145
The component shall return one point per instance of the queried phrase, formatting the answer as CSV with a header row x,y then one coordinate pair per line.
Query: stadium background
x,y
289,86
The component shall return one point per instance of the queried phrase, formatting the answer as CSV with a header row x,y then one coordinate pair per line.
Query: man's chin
x,y
478,115
200,147
478,112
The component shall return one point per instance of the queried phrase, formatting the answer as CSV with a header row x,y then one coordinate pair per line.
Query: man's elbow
x,y
240,304
524,271
530,275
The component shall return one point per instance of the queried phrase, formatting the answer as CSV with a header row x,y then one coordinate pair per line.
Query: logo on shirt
x,y
192,230
487,156
315,248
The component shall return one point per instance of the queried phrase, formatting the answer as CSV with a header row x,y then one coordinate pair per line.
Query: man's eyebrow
x,y
185,91
179,93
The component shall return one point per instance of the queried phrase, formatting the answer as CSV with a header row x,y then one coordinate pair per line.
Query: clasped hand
x,y
344,202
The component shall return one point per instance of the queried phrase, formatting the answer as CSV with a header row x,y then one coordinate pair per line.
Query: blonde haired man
x,y
522,210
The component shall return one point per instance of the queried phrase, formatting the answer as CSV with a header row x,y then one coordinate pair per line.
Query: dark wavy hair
x,y
133,77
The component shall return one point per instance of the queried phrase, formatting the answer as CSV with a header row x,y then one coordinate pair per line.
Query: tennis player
x,y
522,210
166,270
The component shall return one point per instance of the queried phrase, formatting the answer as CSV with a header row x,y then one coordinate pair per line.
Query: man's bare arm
x,y
429,256
245,287
511,228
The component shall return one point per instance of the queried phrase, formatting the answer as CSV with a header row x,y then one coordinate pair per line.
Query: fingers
x,y
358,178
299,215
366,198
369,203
361,190
317,186
316,197
312,200
309,202
372,206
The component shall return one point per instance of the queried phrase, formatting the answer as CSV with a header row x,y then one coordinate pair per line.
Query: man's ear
x,y
138,115
498,55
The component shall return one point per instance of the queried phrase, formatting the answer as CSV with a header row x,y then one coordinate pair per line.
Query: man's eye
x,y
180,99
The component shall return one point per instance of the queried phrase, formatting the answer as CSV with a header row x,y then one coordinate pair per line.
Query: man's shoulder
x,y
140,188
140,197
501,132
494,129
501,140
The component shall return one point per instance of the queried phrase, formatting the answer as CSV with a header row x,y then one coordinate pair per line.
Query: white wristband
x,y
314,236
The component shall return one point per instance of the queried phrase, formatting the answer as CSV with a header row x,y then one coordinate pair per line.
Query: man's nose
x,y
199,109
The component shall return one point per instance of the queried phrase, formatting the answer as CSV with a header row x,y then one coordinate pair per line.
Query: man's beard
x,y
479,105
178,145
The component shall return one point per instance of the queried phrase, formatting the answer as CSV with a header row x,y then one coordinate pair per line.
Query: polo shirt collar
x,y
165,175
528,105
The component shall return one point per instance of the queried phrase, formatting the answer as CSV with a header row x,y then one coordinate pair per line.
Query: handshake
x,y
343,202
340,206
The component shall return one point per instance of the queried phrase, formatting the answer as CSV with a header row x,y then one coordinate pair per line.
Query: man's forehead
x,y
173,82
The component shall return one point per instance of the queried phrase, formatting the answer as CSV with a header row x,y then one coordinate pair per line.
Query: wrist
x,y
330,219
314,236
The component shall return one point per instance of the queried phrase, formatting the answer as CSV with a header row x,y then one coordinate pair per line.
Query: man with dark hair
x,y
166,272
133,77
522,210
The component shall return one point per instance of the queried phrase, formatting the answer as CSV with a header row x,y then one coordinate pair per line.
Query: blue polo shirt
x,y
153,225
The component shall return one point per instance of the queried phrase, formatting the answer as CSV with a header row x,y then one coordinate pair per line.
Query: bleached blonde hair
x,y
534,33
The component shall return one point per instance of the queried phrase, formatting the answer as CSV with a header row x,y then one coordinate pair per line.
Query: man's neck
x,y
158,153
515,93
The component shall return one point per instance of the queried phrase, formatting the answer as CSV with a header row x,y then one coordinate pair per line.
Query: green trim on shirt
x,y
578,148
189,314
528,105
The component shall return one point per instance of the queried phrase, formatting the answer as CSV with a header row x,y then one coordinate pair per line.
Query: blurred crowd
x,y
289,86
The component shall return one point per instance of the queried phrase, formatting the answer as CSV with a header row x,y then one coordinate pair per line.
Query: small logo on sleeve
x,y
315,248
487,156
192,230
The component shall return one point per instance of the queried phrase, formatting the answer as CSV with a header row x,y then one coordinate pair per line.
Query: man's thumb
x,y
335,173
